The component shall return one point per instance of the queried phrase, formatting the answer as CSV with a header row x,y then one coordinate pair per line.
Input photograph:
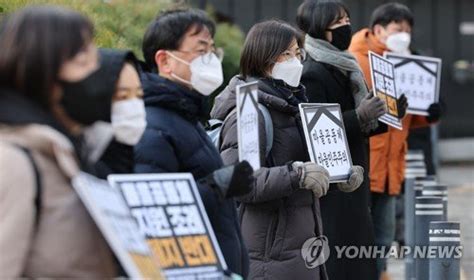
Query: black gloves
x,y
434,113
402,105
232,180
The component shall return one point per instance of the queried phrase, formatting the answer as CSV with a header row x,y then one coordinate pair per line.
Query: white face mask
x,y
399,42
289,71
128,120
205,78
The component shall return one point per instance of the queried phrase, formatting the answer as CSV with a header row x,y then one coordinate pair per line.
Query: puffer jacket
x,y
175,141
277,217
55,238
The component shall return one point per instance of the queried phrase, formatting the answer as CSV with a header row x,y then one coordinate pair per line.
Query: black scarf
x,y
293,95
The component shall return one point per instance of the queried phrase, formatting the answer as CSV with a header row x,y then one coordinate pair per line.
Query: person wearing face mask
x,y
45,230
390,29
282,211
185,68
332,75
109,103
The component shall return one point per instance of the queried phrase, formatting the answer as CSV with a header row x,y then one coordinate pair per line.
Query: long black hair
x,y
34,43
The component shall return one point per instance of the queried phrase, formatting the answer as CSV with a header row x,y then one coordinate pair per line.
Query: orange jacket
x,y
387,150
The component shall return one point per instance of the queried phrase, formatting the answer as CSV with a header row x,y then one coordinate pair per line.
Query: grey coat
x,y
276,217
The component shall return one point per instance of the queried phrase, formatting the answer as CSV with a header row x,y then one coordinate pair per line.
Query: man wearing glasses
x,y
184,68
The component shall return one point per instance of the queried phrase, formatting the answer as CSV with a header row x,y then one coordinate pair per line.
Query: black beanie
x,y
90,100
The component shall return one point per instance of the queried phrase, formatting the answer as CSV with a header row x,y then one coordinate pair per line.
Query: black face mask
x,y
88,100
341,37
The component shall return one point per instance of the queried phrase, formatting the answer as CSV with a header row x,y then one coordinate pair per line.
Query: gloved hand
x,y
402,105
233,180
434,113
355,180
370,108
313,177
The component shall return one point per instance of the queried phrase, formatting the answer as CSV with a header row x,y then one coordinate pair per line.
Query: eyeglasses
x,y
300,54
207,56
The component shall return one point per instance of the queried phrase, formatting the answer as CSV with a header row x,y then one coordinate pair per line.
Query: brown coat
x,y
65,242
387,150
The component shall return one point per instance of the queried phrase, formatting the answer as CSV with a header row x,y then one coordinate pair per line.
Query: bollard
x,y
413,188
447,237
414,155
427,209
409,215
438,191
414,167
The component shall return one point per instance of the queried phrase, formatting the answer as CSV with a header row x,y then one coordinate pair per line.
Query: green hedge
x,y
122,23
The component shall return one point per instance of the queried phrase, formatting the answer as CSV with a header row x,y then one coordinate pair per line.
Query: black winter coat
x,y
175,141
277,217
346,216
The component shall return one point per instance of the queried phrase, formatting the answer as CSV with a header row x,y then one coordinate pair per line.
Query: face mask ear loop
x,y
176,76
180,79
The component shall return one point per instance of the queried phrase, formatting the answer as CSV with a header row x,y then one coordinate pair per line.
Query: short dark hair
x,y
167,30
391,12
34,43
315,17
265,42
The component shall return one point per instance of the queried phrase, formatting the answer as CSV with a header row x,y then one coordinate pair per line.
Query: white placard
x,y
382,74
247,124
170,213
113,217
418,77
326,139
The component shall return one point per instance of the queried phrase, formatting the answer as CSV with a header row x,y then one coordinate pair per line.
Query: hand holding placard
x,y
355,180
312,177
402,104
233,180
370,108
434,113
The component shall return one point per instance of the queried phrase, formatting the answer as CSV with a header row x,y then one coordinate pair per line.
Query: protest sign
x,y
326,139
418,77
170,213
383,84
112,215
247,124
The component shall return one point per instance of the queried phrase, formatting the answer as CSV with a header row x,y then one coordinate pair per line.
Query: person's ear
x,y
378,30
162,62
328,36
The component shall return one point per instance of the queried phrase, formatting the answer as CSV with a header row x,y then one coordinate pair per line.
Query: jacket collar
x,y
44,140
170,95
268,94
15,109
365,41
